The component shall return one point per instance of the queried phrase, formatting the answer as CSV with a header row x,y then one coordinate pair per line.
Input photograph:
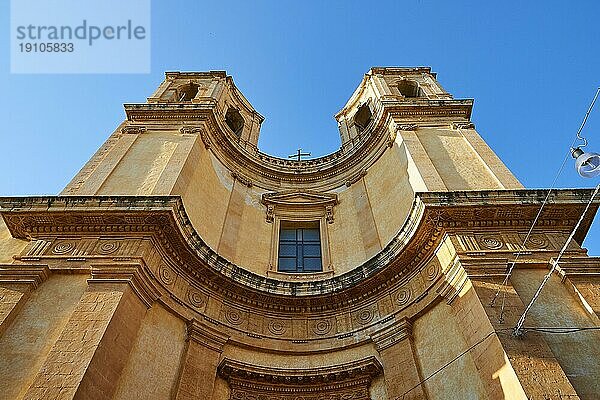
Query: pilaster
x,y
199,363
582,277
400,367
16,283
420,159
539,373
91,351
487,352
488,157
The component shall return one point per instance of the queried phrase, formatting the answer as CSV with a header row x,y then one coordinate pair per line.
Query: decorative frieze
x,y
321,327
56,223
403,296
196,299
505,242
365,316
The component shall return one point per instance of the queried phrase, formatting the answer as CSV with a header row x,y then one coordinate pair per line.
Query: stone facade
x,y
154,274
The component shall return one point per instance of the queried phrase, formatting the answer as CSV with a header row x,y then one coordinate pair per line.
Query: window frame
x,y
326,267
300,207
299,244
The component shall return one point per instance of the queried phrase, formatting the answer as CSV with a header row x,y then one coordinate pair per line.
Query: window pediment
x,y
300,198
302,202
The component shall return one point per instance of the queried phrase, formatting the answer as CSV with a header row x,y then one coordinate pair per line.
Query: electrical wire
x,y
518,328
559,329
587,114
539,213
447,364
541,329
523,330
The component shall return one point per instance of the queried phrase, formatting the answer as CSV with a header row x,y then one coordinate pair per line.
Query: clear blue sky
x,y
532,68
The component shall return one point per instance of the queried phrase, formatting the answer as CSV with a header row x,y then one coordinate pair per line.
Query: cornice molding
x,y
579,267
368,368
28,274
392,334
165,220
324,173
206,336
300,198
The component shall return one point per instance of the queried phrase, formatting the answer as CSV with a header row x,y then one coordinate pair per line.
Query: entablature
x,y
151,242
433,215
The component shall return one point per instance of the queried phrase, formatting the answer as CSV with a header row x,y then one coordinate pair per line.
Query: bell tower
x,y
445,151
212,89
157,145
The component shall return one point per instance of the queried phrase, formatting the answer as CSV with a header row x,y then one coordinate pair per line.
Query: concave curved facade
x,y
183,263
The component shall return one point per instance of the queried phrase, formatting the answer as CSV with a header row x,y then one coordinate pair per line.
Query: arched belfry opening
x,y
234,121
363,117
409,88
188,92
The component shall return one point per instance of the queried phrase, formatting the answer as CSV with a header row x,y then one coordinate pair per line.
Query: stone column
x,y
581,275
419,158
537,370
91,351
488,157
16,283
400,367
199,364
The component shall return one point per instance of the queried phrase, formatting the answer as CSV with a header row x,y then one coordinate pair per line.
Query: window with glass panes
x,y
299,248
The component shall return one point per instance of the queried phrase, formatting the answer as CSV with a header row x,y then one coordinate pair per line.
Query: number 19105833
x,y
46,47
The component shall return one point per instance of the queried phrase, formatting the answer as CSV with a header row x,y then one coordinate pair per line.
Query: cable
x,y
535,220
559,329
562,166
585,119
446,365
518,328
542,329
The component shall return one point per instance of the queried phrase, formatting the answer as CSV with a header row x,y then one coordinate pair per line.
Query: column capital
x,y
392,334
24,274
131,273
206,336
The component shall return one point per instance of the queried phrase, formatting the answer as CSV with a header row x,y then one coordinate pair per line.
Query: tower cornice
x,y
322,173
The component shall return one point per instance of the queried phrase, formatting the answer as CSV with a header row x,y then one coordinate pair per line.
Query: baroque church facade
x,y
182,262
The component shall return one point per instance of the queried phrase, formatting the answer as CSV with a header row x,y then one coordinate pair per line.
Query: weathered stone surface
x,y
154,274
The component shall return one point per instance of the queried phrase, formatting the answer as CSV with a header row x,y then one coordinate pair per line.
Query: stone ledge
x,y
164,218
